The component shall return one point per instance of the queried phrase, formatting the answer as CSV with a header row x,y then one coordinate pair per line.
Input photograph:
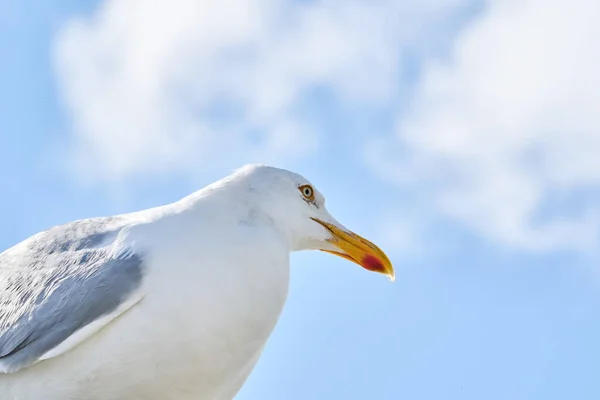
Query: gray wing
x,y
59,281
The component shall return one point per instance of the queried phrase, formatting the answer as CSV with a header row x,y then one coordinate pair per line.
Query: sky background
x,y
462,136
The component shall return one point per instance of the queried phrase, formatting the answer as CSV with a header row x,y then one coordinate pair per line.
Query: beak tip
x,y
376,264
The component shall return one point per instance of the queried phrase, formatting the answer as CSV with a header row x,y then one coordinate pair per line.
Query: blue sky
x,y
461,136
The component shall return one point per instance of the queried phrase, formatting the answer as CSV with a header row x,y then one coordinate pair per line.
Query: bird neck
x,y
216,205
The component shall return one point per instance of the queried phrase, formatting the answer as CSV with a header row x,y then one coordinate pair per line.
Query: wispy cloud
x,y
497,112
169,86
504,132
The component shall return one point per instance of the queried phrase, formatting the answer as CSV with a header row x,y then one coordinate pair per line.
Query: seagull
x,y
172,302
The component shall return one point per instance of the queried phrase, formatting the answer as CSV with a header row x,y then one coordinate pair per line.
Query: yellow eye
x,y
308,192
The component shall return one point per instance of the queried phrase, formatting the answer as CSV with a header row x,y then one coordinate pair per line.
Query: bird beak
x,y
358,250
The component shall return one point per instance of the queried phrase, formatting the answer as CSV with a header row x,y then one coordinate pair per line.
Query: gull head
x,y
297,208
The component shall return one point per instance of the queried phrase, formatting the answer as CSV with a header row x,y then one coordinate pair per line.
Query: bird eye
x,y
308,192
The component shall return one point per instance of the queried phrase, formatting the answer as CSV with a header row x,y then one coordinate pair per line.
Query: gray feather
x,y
59,281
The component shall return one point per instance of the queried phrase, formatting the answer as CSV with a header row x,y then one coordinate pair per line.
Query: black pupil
x,y
307,192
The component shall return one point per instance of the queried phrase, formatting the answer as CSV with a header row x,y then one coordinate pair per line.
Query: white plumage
x,y
174,302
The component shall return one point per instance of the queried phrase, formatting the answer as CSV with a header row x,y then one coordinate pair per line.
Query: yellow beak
x,y
358,250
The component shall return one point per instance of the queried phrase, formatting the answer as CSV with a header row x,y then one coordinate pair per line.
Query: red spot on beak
x,y
372,263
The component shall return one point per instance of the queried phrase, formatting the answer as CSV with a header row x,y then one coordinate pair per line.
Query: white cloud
x,y
507,124
503,125
146,80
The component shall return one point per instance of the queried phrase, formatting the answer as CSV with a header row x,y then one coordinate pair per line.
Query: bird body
x,y
174,302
